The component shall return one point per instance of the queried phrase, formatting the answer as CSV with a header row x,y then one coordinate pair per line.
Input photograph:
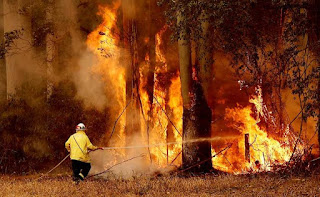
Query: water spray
x,y
171,143
146,146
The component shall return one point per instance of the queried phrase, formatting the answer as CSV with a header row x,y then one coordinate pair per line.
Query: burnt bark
x,y
197,124
152,54
196,113
150,50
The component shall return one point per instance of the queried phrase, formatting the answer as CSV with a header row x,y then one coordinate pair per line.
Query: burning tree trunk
x,y
3,69
195,112
150,74
132,76
147,52
247,147
152,55
205,80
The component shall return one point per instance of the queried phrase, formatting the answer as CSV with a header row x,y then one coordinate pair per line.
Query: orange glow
x,y
264,148
103,44
158,128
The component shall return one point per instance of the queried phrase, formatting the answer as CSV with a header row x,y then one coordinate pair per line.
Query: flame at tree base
x,y
265,150
159,139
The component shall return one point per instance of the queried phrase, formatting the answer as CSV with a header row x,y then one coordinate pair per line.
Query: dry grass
x,y
226,185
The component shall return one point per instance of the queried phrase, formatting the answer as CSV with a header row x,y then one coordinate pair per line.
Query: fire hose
x,y
142,155
54,167
133,147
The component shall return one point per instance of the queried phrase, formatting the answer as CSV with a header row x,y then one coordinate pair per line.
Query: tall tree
x,y
50,46
195,113
314,10
132,71
205,55
152,52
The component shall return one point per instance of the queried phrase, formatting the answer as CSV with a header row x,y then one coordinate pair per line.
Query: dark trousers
x,y
80,169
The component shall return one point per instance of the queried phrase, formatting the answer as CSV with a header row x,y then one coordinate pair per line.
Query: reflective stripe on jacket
x,y
78,145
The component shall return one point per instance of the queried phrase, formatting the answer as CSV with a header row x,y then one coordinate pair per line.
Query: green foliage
x,y
273,44
191,10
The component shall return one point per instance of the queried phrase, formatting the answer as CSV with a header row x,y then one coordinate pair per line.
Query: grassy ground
x,y
224,185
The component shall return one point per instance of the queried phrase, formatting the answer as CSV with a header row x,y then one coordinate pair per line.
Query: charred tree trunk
x,y
147,48
3,69
194,124
152,64
132,79
247,147
146,40
152,54
202,91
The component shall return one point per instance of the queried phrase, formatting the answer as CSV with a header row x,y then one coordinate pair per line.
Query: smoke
x,y
133,8
51,52
136,160
124,162
90,87
100,81
78,65
28,64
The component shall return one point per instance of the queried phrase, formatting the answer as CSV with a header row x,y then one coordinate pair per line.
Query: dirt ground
x,y
224,185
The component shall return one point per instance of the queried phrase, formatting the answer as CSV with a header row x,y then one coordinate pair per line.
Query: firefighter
x,y
78,145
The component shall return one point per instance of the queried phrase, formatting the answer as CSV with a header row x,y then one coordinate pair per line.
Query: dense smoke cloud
x,y
98,83
90,87
50,82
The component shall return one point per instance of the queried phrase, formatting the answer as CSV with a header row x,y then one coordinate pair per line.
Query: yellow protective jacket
x,y
78,145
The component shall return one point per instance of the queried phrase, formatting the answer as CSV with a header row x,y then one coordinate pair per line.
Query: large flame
x,y
161,120
103,43
166,107
266,150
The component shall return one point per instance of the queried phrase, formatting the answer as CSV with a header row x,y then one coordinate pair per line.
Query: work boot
x,y
76,180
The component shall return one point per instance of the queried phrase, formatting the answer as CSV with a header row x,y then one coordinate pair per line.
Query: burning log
x,y
247,147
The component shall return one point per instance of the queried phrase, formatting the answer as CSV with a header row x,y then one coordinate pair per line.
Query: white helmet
x,y
81,127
